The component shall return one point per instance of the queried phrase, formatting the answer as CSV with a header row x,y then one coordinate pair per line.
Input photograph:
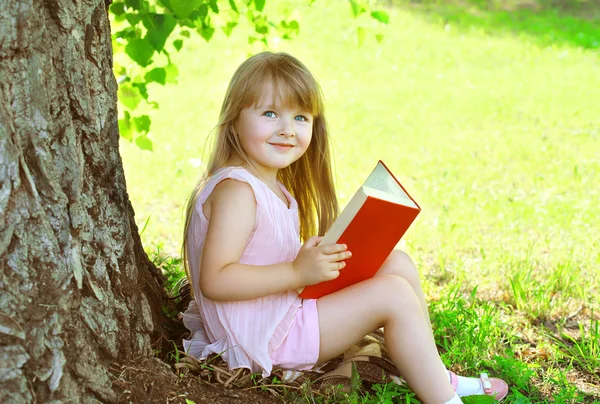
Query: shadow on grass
x,y
546,22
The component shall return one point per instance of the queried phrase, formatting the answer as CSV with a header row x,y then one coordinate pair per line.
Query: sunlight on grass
x,y
497,137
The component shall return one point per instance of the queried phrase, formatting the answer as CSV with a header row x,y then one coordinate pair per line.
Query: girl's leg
x,y
399,263
348,315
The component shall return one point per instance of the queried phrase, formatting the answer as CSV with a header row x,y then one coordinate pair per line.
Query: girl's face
x,y
274,136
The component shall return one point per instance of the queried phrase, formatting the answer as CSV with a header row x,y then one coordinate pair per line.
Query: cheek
x,y
260,130
306,137
253,136
250,144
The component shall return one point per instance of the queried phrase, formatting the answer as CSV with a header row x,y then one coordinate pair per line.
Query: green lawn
x,y
494,128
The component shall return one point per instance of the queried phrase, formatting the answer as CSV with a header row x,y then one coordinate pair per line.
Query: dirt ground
x,y
152,381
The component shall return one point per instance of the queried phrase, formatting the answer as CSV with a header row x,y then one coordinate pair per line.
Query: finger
x,y
334,248
312,242
344,255
334,274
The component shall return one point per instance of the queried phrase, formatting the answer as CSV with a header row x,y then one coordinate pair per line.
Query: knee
x,y
400,264
396,293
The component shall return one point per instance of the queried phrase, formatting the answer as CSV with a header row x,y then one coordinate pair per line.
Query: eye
x,y
270,114
301,118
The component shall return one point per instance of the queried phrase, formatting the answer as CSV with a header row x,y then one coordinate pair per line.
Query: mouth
x,y
282,146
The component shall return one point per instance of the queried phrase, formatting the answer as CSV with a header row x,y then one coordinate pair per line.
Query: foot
x,y
489,386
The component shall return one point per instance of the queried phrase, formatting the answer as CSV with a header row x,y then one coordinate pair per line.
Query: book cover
x,y
371,225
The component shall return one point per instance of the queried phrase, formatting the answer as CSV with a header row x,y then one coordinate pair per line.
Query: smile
x,y
282,146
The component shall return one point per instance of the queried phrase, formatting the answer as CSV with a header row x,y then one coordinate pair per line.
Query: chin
x,y
281,163
281,166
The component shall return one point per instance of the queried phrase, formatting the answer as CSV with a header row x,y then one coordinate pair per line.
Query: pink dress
x,y
255,333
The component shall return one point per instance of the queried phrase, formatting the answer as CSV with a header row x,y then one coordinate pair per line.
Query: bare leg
x,y
389,301
400,264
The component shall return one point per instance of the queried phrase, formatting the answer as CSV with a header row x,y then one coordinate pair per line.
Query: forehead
x,y
267,95
280,94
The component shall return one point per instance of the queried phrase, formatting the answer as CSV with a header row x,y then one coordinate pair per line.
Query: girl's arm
x,y
232,210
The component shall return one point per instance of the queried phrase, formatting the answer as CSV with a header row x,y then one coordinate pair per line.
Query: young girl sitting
x,y
269,185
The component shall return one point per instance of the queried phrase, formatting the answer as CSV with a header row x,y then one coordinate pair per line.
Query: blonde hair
x,y
310,178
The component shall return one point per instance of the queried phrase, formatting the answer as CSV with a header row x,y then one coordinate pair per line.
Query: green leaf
x,y
144,143
200,14
117,8
481,399
360,31
259,4
126,33
289,29
159,28
381,16
129,96
233,6
141,87
133,19
184,33
125,130
183,8
135,4
125,127
140,51
206,33
229,27
142,123
186,23
261,29
172,73
178,43
158,75
119,18
357,9
214,6
379,38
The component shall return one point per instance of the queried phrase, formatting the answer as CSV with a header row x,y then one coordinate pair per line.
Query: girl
x,y
269,185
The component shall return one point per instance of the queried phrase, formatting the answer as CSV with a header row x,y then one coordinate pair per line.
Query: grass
x,y
489,116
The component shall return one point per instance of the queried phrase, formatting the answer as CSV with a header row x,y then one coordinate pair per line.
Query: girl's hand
x,y
316,264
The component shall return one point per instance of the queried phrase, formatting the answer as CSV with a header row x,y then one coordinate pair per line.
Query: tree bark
x,y
77,291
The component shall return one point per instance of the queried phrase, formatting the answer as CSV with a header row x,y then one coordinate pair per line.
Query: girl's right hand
x,y
316,264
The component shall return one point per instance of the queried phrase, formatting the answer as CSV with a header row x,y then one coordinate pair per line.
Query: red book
x,y
371,225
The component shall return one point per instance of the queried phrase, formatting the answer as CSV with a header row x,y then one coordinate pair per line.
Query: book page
x,y
344,219
383,183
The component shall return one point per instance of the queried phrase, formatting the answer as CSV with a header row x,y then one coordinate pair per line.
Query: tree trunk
x,y
77,291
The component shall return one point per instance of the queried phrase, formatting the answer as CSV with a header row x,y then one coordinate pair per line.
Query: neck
x,y
269,177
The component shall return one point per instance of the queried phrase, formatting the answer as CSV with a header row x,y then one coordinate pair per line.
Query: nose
x,y
287,128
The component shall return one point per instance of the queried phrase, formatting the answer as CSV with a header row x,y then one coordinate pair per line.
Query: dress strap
x,y
236,173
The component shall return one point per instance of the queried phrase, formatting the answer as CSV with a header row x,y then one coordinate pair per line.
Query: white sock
x,y
454,400
468,386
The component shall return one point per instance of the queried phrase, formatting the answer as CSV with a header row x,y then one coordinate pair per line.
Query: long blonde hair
x,y
310,178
